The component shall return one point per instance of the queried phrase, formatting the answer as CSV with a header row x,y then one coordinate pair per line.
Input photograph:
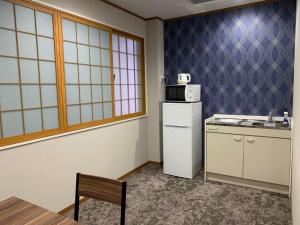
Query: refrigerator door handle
x,y
177,126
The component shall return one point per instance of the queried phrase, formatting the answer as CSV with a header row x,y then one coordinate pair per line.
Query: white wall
x,y
44,172
155,69
296,130
101,12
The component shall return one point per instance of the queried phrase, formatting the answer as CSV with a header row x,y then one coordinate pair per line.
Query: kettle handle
x,y
188,77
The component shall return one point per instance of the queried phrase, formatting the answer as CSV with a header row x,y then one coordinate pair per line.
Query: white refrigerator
x,y
182,139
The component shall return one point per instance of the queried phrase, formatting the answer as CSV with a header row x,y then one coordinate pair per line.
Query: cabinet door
x,y
225,154
267,159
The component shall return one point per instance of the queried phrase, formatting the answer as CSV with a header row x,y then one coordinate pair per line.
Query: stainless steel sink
x,y
276,124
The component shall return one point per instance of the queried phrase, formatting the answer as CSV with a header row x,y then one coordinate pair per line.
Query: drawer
x,y
263,132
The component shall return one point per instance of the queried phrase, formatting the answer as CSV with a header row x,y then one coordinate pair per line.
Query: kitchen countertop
x,y
252,123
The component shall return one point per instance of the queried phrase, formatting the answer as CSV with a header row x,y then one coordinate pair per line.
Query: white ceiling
x,y
167,9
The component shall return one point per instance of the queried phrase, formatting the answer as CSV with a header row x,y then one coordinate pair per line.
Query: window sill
x,y
69,133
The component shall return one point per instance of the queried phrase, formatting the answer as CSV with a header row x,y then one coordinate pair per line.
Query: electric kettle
x,y
184,78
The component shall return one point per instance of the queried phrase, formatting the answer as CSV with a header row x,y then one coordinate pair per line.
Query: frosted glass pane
x,y
138,89
105,57
27,45
33,120
129,46
138,103
123,60
132,106
97,111
124,77
138,77
122,44
107,110
47,72
50,118
44,24
95,56
83,54
97,93
72,94
125,109
9,72
118,110
117,76
12,123
31,96
25,19
117,92
115,42
29,71
73,115
71,73
137,48
130,62
49,95
85,94
10,98
96,75
131,91
137,62
8,46
116,62
46,48
94,37
84,74
70,52
7,15
86,113
131,76
107,93
106,76
82,34
69,30
104,37
124,91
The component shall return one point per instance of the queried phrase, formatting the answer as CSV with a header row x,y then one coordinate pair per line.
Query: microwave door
x,y
175,93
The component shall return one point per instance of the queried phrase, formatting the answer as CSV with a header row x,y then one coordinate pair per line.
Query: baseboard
x,y
70,207
123,177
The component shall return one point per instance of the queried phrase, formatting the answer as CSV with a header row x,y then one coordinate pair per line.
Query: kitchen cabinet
x,y
249,156
267,159
225,154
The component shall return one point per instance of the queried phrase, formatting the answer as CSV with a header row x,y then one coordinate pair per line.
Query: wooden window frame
x,y
58,17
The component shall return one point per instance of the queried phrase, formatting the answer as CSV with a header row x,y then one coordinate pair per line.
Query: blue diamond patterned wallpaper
x,y
243,58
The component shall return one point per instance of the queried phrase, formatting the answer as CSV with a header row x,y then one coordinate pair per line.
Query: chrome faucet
x,y
270,117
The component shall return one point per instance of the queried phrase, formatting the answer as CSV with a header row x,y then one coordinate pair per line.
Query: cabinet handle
x,y
237,139
251,140
212,128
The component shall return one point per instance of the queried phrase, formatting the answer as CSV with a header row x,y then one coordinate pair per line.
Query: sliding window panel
x,y
127,63
90,47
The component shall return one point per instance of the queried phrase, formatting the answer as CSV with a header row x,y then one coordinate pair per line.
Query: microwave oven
x,y
183,93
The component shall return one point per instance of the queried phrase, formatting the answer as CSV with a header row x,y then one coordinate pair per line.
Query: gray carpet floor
x,y
155,198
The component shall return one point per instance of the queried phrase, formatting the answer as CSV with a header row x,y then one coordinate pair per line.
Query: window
x,y
127,75
87,73
61,73
28,83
